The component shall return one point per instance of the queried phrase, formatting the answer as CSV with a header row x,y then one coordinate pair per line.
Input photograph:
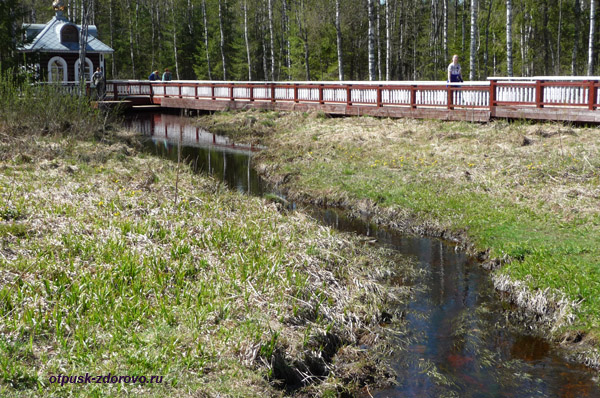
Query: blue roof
x,y
48,39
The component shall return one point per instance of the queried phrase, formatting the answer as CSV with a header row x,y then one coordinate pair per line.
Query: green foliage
x,y
25,107
145,36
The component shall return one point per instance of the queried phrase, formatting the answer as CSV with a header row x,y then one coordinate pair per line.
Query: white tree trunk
x,y
206,39
590,70
371,39
577,13
445,30
112,37
246,40
271,40
83,39
286,38
473,55
338,31
222,41
557,70
378,38
509,42
388,41
175,52
131,50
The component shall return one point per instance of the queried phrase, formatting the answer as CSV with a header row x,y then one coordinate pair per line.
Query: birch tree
x,y
338,31
303,31
445,29
577,12
473,54
206,39
590,69
509,43
388,42
83,40
246,40
131,40
285,39
222,41
175,39
272,46
371,39
111,6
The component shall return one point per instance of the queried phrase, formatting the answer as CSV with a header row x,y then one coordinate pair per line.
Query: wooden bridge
x,y
542,98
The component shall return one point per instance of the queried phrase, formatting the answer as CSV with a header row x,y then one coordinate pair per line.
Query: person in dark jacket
x,y
153,76
98,81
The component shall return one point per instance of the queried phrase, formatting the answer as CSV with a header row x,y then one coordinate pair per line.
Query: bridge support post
x,y
539,94
592,95
321,94
379,102
272,92
349,95
413,97
449,100
492,95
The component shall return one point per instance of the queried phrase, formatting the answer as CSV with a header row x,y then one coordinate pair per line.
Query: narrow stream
x,y
459,341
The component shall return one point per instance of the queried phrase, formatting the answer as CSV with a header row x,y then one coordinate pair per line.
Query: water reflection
x,y
203,151
459,341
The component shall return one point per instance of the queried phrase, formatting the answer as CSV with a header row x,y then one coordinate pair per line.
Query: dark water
x,y
459,341
205,152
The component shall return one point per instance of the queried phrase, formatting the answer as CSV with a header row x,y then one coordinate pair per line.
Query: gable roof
x,y
46,38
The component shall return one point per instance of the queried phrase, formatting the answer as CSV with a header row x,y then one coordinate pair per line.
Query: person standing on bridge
x,y
166,77
98,81
454,71
153,76
455,76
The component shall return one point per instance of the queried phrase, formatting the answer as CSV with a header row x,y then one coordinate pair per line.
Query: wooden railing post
x,y
379,101
321,94
492,95
449,100
592,95
212,91
349,95
272,92
115,92
539,94
179,84
231,93
296,93
251,93
413,97
196,91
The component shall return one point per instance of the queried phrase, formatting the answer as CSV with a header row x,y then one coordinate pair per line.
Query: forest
x,y
328,39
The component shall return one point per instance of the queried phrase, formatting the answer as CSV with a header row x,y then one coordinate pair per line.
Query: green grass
x,y
101,273
531,203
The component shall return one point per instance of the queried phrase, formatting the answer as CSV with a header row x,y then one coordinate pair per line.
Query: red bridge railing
x,y
543,92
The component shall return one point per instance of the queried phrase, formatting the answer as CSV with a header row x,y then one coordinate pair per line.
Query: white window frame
x,y
89,64
63,63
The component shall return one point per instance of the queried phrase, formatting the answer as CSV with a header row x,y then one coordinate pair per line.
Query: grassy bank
x,y
525,195
114,262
